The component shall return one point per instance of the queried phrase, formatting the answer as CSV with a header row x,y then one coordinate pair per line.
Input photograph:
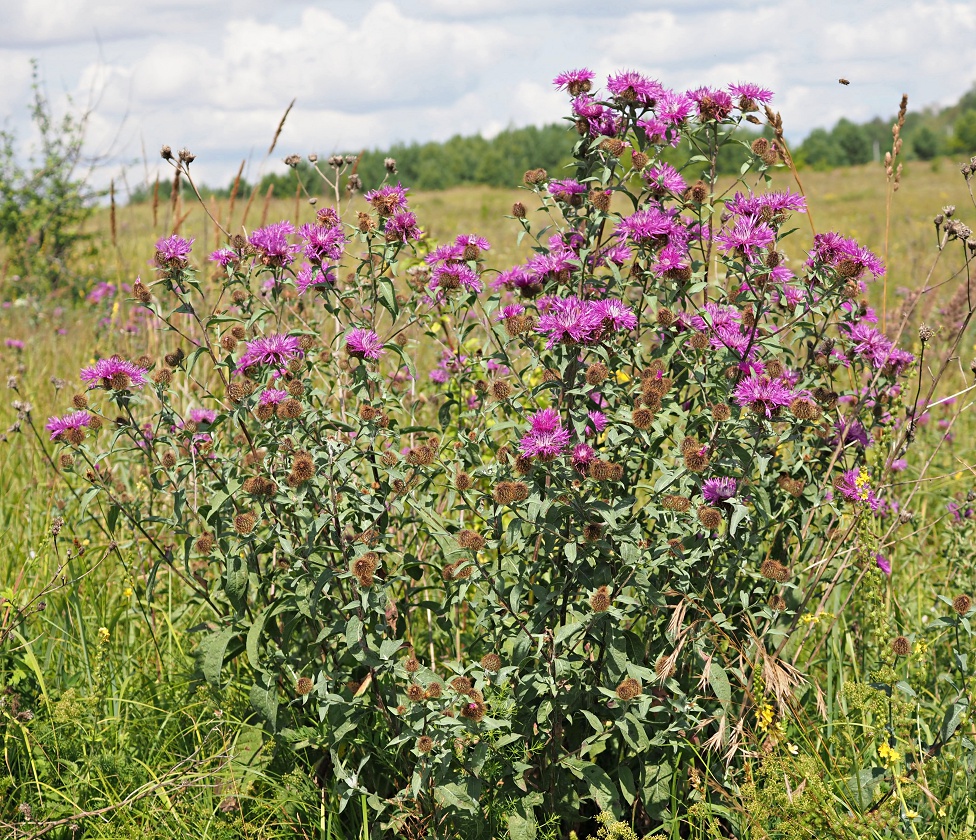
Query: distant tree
x,y
853,142
926,144
964,133
820,151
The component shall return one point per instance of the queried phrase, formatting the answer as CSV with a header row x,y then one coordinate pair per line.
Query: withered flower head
x,y
629,689
600,600
491,662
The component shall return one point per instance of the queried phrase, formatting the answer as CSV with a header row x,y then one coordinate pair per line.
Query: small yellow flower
x,y
888,754
127,592
103,635
623,377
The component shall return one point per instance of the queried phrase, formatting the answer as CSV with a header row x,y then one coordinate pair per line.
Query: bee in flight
x,y
843,81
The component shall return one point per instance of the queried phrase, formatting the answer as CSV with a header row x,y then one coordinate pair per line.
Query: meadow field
x,y
111,729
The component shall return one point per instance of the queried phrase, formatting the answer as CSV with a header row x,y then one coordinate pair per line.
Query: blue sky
x,y
216,77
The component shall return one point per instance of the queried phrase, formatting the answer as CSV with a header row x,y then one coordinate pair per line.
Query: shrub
x,y
561,578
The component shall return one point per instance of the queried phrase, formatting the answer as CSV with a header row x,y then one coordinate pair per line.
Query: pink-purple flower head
x,y
855,486
883,563
632,87
763,395
321,243
388,199
596,423
566,190
472,245
270,350
71,426
364,344
652,227
748,237
401,227
749,94
546,438
511,311
272,396
582,455
711,103
575,82
597,119
272,244
224,257
873,345
771,206
203,415
315,277
172,251
845,256
574,321
717,490
114,374
14,344
664,178
451,277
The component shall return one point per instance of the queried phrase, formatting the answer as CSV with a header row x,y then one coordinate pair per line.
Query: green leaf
x,y
951,721
455,796
719,681
627,784
601,789
211,652
521,827
862,785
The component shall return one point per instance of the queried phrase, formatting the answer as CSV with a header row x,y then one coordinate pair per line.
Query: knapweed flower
x,y
451,276
748,94
845,256
203,415
315,277
883,563
763,395
855,486
224,257
401,227
14,344
873,345
716,490
581,457
471,245
574,321
272,396
364,344
712,104
770,206
388,199
651,227
274,350
272,243
546,438
745,238
631,86
71,426
172,251
115,374
575,82
663,177
321,243
596,422
595,118
566,189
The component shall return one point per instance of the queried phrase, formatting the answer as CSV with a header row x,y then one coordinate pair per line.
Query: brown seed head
x,y
470,540
415,693
642,418
600,600
412,665
244,523
721,412
710,518
962,604
433,691
596,373
500,390
168,460
491,662
141,292
664,667
699,192
592,531
679,504
639,160
204,543
774,570
473,710
518,210
629,689
425,744
699,341
463,481
303,686
901,646
804,409
697,461
462,685
665,317
777,602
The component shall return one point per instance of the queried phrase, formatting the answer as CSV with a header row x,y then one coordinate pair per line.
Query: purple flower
x,y
511,311
766,204
272,243
114,374
597,422
712,104
651,227
663,177
569,321
203,415
747,91
224,257
565,189
452,276
845,255
746,237
364,344
472,245
883,563
873,345
716,490
388,199
273,396
445,253
631,86
322,243
275,350
674,107
14,343
763,395
855,486
849,430
546,438
575,81
599,119
76,420
102,291
582,455
314,277
401,226
172,251
615,313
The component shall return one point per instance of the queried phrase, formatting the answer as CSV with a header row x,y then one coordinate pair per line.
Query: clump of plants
x,y
497,549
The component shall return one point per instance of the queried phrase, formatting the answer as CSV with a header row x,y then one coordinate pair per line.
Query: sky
x,y
216,77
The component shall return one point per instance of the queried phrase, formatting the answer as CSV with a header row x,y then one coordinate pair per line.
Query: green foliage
x,y
43,204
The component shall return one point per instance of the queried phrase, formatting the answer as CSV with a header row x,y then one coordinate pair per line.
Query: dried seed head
x,y
463,481
925,333
710,518
699,192
600,600
66,460
415,693
175,358
500,390
642,418
304,686
721,412
523,465
774,570
412,665
424,743
168,460
962,604
901,646
518,210
639,160
491,662
551,375
629,689
699,341
600,199
664,667
244,523
433,691
760,146
665,317
204,543
228,342
679,504
596,373
462,685
804,409
777,602
473,710
592,531
420,456
141,292
535,176
303,465
470,540
697,461
290,409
